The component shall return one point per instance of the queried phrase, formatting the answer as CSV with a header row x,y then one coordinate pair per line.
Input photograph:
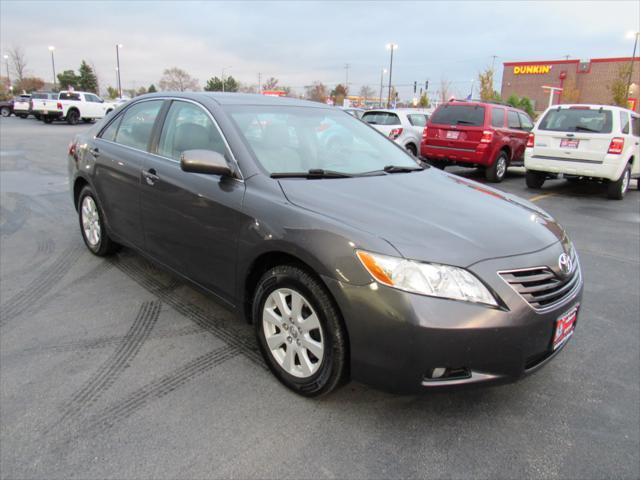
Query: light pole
x,y
6,62
392,47
223,69
635,36
118,47
53,65
384,70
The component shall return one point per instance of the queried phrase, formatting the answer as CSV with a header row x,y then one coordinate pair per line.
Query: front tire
x,y
496,172
47,119
534,179
92,225
5,111
88,120
299,331
616,190
23,115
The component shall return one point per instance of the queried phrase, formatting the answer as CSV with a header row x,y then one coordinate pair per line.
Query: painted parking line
x,y
544,195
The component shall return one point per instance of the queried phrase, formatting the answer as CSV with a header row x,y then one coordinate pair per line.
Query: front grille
x,y
541,287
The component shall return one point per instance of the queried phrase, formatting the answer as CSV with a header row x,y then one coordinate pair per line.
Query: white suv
x,y
402,125
596,142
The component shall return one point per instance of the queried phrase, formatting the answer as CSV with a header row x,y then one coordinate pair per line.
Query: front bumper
x,y
398,338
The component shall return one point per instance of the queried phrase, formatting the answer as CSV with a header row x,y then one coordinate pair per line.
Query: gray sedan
x,y
350,258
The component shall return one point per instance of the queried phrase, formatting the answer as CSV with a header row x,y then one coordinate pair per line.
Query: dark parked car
x,y
477,134
6,108
351,262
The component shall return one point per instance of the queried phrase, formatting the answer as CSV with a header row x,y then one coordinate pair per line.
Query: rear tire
x,y
411,148
310,360
5,111
38,116
616,190
23,115
47,119
535,179
92,226
496,172
439,164
73,117
88,120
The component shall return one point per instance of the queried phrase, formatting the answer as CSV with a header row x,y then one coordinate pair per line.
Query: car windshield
x,y
299,139
577,120
471,115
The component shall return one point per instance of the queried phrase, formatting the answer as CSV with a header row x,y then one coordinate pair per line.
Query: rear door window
x,y
577,120
417,120
624,122
513,121
137,124
471,115
381,118
525,121
497,117
69,96
635,126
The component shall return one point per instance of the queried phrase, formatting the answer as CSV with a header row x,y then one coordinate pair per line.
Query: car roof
x,y
399,110
477,103
232,98
592,106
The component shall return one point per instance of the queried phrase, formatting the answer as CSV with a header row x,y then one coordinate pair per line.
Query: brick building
x,y
582,81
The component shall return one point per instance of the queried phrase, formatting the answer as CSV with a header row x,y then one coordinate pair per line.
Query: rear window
x,y
472,115
417,120
577,120
381,118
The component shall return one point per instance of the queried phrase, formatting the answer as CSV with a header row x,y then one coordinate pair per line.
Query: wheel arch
x,y
78,184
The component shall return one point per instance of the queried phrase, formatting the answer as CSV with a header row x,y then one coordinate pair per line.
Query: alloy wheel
x,y
501,168
293,332
90,221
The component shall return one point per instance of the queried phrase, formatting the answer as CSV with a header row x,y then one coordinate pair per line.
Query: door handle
x,y
150,176
95,152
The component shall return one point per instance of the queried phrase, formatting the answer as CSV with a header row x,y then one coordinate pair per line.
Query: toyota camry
x,y
351,258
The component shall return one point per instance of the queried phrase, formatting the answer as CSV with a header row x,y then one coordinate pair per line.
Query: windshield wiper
x,y
401,169
465,122
586,129
312,173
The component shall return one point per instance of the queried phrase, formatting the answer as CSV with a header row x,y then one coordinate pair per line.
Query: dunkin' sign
x,y
531,69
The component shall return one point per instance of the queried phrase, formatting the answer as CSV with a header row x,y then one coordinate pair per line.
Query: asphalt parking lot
x,y
116,369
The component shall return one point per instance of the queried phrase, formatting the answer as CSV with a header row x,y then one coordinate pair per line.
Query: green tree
x,y
152,89
487,93
112,92
214,84
68,79
618,88
87,81
424,101
523,103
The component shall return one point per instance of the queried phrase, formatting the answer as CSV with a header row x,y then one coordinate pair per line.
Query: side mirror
x,y
204,161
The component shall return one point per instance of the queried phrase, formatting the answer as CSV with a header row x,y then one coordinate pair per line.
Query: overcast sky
x,y
300,42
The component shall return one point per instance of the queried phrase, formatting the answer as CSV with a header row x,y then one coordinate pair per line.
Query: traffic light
x,y
415,86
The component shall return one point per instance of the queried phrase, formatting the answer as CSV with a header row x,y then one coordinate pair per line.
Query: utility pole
x,y
566,57
259,83
384,70
118,47
346,83
392,47
633,59
493,62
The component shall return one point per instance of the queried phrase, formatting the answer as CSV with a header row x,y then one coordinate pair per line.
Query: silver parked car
x,y
402,125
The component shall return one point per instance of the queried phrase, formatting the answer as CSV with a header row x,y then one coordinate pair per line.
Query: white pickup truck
x,y
72,106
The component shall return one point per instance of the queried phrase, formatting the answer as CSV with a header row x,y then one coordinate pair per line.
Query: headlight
x,y
426,278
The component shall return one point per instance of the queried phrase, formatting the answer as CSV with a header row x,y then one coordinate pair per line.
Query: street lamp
x,y
6,62
118,47
223,69
392,47
635,36
384,70
53,65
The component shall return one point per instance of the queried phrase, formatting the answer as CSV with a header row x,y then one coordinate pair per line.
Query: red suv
x,y
476,134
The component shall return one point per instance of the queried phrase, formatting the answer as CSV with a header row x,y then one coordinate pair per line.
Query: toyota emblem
x,y
565,264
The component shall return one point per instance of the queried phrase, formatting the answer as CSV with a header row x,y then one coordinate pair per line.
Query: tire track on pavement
x,y
14,220
33,292
159,388
116,364
231,335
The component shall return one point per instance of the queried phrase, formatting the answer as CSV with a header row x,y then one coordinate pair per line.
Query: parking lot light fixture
x,y
118,47
391,47
53,65
384,70
6,62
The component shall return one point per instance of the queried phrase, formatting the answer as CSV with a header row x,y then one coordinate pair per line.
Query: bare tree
x,y
178,80
486,85
317,92
270,84
366,92
445,90
248,88
18,62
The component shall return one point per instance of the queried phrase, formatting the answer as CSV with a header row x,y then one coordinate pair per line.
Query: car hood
x,y
430,215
